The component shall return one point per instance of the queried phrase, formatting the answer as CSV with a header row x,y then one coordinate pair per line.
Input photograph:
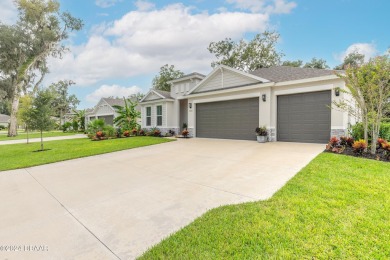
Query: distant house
x,y
4,120
105,110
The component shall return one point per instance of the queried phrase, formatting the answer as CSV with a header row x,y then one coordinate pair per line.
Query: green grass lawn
x,y
337,207
23,135
16,156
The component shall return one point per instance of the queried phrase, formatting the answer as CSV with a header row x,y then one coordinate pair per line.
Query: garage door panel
x,y
234,119
304,117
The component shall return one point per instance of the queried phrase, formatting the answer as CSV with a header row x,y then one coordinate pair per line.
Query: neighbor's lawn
x,y
338,207
15,156
23,135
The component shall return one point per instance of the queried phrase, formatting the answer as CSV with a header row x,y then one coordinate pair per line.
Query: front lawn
x,y
16,156
338,207
23,135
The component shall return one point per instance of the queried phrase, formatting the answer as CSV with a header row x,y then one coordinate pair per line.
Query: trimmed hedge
x,y
357,131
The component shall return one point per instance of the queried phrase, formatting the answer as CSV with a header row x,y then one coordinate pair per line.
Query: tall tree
x,y
316,64
260,52
369,86
23,112
25,46
353,59
166,74
292,63
128,115
63,102
40,115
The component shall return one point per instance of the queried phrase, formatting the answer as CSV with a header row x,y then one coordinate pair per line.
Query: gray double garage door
x,y
302,117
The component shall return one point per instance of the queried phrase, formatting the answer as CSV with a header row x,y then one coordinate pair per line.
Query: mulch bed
x,y
379,156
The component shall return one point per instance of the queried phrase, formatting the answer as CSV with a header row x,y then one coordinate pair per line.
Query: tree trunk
x,y
13,126
27,134
41,141
365,125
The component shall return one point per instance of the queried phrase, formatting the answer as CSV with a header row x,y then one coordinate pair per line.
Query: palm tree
x,y
79,117
127,118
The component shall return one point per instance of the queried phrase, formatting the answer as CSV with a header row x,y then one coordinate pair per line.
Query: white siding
x,y
225,79
152,96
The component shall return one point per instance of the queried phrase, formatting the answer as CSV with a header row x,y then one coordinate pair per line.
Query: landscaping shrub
x,y
75,126
109,131
261,131
119,132
95,125
2,127
335,145
126,133
66,126
134,131
100,135
156,133
359,146
346,141
141,132
357,131
185,133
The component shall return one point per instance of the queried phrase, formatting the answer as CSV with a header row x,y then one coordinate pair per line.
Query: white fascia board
x,y
229,90
157,101
309,80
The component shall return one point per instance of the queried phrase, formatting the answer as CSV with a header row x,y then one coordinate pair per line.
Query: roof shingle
x,y
285,73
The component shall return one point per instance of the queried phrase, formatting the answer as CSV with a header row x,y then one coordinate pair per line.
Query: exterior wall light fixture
x,y
264,97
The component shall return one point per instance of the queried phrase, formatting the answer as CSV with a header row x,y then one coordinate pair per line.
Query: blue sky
x,y
124,42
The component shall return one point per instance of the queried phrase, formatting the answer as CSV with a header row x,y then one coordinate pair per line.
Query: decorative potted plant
x,y
262,134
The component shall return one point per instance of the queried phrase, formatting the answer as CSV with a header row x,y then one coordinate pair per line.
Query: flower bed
x,y
349,146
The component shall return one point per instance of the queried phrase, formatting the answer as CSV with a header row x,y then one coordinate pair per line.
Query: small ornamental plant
x,y
157,133
126,133
141,132
99,135
134,131
359,146
261,131
185,133
346,141
335,145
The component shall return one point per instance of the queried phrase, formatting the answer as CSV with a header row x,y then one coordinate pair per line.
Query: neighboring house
x,y
4,120
293,103
105,110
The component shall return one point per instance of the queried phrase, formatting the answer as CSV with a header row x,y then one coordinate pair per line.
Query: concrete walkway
x,y
37,140
117,205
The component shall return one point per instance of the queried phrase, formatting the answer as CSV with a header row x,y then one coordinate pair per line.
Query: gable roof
x,y
162,94
188,76
286,73
114,101
4,118
221,67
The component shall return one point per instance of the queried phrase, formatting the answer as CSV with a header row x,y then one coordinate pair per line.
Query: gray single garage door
x,y
233,119
304,117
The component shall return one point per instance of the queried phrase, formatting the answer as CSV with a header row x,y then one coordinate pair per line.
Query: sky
x,y
124,42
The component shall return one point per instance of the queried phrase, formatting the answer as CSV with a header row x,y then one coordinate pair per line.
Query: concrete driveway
x,y
117,205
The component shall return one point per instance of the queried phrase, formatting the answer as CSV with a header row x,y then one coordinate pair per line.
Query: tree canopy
x,y
128,115
316,64
353,59
260,52
26,45
293,63
166,74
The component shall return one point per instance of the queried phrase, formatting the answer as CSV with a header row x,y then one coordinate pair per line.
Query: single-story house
x,y
105,110
293,103
4,120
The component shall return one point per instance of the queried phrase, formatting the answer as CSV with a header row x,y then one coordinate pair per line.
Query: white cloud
x,y
113,90
143,5
106,3
8,11
264,6
368,49
141,42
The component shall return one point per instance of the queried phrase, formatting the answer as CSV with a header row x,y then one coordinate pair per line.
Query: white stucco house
x,y
105,110
293,103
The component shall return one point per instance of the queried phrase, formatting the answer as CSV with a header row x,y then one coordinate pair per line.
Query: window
x,y
148,116
159,115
